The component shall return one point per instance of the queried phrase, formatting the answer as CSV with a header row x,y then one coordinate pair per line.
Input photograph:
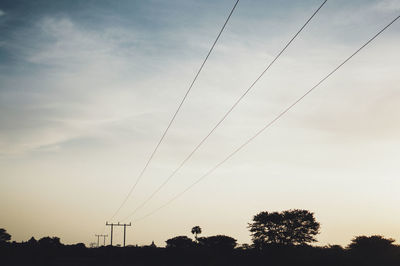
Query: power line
x,y
226,114
268,124
175,114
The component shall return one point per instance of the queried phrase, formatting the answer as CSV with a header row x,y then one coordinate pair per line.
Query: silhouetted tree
x,y
32,242
4,236
196,230
180,242
374,250
49,242
79,245
371,243
218,242
152,245
291,227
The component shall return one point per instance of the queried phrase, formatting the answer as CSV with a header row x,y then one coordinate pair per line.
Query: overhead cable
x,y
174,115
269,124
227,113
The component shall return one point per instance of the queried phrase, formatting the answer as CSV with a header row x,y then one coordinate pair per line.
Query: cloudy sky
x,y
88,87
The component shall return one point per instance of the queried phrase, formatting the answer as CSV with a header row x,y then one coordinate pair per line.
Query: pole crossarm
x,y
112,229
98,239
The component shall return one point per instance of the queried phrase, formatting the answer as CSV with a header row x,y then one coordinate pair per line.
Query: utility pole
x,y
125,225
98,236
112,227
104,238
118,224
104,242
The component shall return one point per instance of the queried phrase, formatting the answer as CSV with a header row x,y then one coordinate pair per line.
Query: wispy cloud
x,y
86,92
84,83
74,71
388,5
88,82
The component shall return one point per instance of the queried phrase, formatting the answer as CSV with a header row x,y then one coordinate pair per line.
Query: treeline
x,y
278,238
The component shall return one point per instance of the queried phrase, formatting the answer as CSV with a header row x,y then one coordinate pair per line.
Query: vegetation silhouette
x,y
373,243
279,238
181,242
196,230
49,242
374,250
4,236
218,242
291,227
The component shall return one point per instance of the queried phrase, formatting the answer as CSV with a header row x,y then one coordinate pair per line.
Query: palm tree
x,y
196,230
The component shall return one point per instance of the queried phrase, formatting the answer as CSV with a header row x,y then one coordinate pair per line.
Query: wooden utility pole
x,y
118,224
98,236
125,225
104,242
104,238
112,228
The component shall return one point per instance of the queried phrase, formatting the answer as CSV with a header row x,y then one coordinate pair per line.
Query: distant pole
x,y
112,227
125,231
118,224
104,238
98,237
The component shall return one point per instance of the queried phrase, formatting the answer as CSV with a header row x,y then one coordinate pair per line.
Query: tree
x,y
79,246
180,242
49,242
4,236
291,227
374,243
218,242
152,245
373,250
32,242
196,230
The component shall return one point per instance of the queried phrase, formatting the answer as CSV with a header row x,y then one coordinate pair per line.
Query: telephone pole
x,y
104,238
125,225
112,228
98,237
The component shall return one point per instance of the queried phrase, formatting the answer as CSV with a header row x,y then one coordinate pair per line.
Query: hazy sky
x,y
87,88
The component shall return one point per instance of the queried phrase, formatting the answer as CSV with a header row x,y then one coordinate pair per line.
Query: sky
x,y
88,87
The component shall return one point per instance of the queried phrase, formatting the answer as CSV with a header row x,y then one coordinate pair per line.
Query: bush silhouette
x,y
373,243
49,242
181,242
374,250
218,242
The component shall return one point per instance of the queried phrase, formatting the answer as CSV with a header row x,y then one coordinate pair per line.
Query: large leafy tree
x,y
291,227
